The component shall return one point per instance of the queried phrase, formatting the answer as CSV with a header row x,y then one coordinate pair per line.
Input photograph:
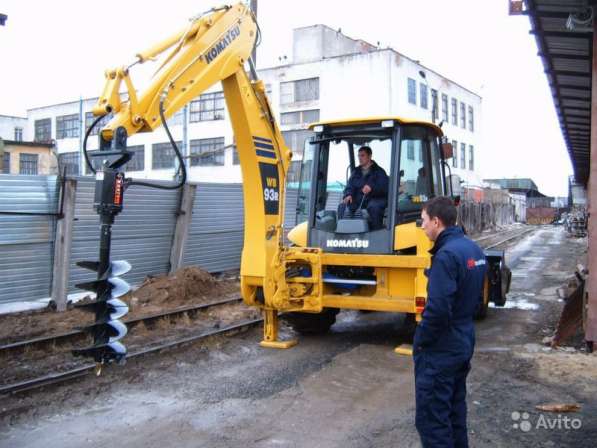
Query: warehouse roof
x,y
567,59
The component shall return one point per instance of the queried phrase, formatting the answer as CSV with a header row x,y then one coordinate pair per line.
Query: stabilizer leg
x,y
404,349
270,331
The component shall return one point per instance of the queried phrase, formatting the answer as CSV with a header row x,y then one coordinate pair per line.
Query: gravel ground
x,y
343,389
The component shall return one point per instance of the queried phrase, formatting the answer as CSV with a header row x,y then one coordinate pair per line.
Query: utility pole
x,y
254,53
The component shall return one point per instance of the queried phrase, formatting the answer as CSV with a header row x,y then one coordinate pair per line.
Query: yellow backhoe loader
x,y
333,262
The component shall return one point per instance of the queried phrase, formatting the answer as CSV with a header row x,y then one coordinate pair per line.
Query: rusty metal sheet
x,y
571,318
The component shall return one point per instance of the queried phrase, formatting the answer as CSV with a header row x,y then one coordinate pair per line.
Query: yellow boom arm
x,y
214,48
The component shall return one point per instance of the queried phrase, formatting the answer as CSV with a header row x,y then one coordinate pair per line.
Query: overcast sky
x,y
56,51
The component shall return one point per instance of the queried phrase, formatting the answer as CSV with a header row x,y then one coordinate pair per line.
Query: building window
x,y
423,93
445,107
471,158
67,126
412,91
177,119
18,134
137,163
6,163
298,91
207,152
299,117
209,106
462,116
463,156
295,140
454,112
410,149
68,163
471,119
43,130
434,106
235,157
455,155
100,124
163,155
28,163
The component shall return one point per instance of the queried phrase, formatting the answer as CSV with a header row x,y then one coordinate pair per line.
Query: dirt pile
x,y
175,289
187,286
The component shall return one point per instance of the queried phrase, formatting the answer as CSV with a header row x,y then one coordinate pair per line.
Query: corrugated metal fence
x,y
215,237
143,234
26,239
479,216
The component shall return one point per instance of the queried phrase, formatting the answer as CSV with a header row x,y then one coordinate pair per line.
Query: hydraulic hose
x,y
181,167
87,134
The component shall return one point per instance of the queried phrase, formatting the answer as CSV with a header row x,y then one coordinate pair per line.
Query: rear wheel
x,y
500,277
310,323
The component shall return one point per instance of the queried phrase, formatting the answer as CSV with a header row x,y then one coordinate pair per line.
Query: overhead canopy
x,y
379,119
567,58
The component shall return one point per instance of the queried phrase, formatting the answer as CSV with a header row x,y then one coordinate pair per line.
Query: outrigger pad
x,y
404,349
279,344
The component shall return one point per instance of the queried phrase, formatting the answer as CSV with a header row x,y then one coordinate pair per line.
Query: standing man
x,y
445,338
370,181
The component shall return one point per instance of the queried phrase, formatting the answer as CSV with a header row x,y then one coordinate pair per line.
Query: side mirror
x,y
447,151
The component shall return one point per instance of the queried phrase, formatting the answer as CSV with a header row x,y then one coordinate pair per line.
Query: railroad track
x,y
510,238
505,233
70,335
86,369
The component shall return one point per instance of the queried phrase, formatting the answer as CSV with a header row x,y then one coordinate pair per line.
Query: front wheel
x,y
312,323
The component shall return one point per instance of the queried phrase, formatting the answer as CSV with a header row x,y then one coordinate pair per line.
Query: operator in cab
x,y
367,188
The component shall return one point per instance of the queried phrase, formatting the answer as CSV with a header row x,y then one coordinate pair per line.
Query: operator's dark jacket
x,y
376,178
455,282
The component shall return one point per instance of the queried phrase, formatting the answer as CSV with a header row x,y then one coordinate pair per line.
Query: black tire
x,y
507,273
310,323
409,324
500,278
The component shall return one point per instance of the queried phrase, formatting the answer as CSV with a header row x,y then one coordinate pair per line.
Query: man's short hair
x,y
367,149
443,208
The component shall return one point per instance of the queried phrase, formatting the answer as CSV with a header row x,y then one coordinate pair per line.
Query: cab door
x,y
419,172
304,185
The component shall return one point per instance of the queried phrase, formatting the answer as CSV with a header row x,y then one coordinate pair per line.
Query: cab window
x,y
418,167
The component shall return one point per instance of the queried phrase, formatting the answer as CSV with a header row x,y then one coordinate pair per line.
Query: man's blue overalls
x,y
445,338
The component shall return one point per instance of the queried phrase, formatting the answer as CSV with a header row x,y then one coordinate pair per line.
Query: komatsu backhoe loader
x,y
332,263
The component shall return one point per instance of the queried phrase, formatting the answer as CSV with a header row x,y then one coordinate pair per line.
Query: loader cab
x,y
408,151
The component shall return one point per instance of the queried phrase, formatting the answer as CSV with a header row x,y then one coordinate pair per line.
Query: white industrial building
x,y
330,76
13,128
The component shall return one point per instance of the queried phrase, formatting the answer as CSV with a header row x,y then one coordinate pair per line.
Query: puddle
x,y
492,349
518,303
